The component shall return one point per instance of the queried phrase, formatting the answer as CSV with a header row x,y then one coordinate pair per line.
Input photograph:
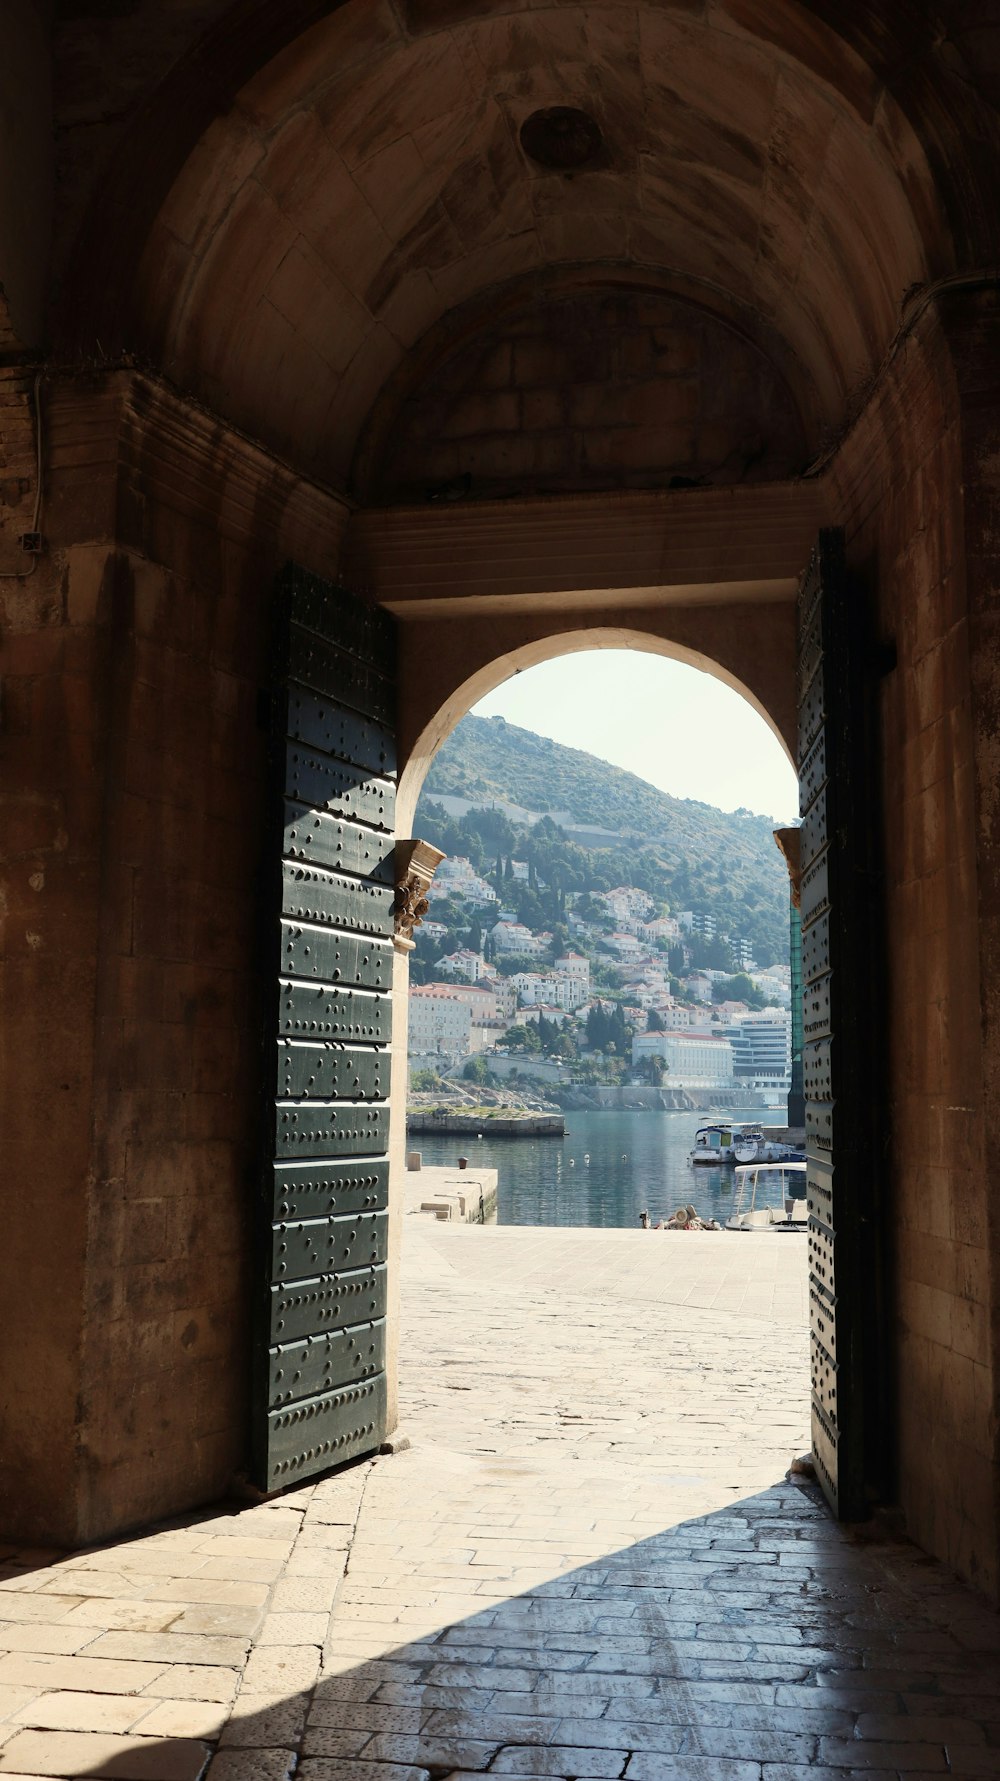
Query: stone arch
x,y
290,222
939,82
547,646
583,379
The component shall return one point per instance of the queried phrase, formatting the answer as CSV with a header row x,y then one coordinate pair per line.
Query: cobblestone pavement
x,y
587,1564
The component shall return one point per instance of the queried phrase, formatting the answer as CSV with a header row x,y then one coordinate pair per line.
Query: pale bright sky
x,y
675,726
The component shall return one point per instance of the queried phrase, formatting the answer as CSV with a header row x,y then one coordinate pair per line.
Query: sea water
x,y
609,1167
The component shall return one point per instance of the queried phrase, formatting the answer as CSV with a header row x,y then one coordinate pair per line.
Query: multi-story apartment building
x,y
506,996
677,1018
452,1019
726,1012
626,905
456,876
573,992
647,993
775,986
569,993
573,964
674,1016
762,1048
467,965
697,1059
698,921
536,987
643,967
626,945
514,938
440,1021
544,1011
661,927
530,987
480,998
699,986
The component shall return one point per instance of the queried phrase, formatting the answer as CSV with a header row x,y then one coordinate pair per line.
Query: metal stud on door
x,y
319,1394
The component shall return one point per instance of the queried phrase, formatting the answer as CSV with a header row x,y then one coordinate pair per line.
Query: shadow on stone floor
x,y
758,1643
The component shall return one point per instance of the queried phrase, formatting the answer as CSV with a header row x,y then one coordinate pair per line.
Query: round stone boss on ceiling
x,y
563,139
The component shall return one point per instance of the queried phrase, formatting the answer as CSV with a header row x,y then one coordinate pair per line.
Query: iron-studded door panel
x,y
319,1391
838,796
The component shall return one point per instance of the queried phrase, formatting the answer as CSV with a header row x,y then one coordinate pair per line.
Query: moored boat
x,y
754,1146
713,1143
769,1197
731,1141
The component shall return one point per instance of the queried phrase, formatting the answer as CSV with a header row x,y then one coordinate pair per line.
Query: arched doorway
x,y
538,843
830,755
841,917
550,647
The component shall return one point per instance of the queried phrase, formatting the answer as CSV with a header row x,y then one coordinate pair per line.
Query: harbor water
x,y
609,1167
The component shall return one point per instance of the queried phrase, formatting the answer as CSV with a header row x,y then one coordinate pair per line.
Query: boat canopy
x,y
715,1137
769,1193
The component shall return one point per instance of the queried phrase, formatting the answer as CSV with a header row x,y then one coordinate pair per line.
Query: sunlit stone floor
x,y
587,1564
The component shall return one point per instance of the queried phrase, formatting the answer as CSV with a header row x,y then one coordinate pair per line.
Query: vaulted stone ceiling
x,y
367,180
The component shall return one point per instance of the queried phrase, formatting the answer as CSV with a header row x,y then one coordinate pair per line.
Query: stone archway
x,y
748,648
571,641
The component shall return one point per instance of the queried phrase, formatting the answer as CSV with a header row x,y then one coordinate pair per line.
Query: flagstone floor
x,y
587,1564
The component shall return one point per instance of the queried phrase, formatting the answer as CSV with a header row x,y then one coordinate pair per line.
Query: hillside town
x,y
616,991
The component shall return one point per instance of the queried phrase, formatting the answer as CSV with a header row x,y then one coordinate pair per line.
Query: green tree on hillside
x,y
651,1070
608,1030
477,1070
739,988
710,955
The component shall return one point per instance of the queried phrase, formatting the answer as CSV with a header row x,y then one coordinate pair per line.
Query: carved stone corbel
x,y
416,864
789,842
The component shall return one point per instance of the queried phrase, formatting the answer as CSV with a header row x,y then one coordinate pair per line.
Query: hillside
x,y
686,854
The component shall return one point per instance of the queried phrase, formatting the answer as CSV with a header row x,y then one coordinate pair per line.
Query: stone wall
x,y
972,329
900,483
54,747
132,968
27,156
18,470
601,389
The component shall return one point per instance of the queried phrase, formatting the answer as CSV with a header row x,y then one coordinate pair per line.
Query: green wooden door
x,y
319,1392
842,1005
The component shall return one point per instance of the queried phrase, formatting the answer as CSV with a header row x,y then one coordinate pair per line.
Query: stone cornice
x,y
692,545
167,451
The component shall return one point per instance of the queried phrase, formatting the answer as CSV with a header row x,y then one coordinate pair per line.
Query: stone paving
x,y
588,1564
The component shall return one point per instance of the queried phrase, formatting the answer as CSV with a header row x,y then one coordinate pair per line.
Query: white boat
x,y
769,1197
727,1141
753,1145
713,1143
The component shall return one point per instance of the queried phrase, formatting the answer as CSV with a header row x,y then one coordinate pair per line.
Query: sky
x,y
677,727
